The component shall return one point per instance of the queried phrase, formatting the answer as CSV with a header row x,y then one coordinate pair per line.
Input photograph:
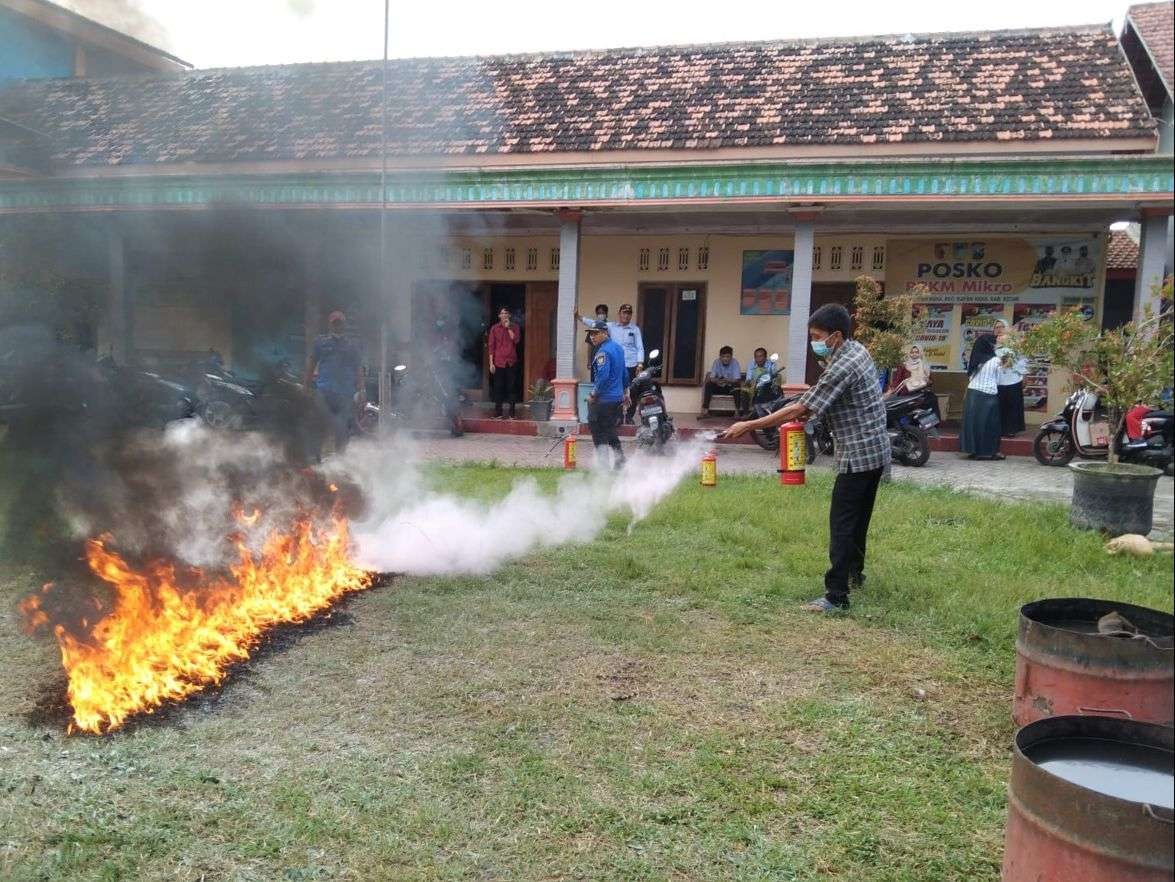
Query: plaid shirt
x,y
848,397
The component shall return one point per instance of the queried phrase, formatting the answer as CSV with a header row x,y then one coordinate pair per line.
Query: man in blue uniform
x,y
607,395
334,370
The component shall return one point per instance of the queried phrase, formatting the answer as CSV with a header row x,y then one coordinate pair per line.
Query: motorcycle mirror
x,y
653,355
400,367
773,357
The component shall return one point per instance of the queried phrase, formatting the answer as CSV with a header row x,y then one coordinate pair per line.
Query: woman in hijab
x,y
912,377
981,409
1011,385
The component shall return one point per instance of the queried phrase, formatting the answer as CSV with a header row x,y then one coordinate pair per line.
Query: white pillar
x,y
1152,256
801,300
565,382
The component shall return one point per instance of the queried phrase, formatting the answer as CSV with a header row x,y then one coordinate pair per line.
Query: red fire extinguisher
x,y
569,452
793,453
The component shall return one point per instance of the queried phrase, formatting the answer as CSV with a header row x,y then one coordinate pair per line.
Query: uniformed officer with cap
x,y
607,396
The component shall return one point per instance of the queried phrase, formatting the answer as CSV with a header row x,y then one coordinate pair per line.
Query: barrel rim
x,y
1137,732
1151,622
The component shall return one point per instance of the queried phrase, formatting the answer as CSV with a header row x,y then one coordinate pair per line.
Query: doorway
x,y
822,293
672,318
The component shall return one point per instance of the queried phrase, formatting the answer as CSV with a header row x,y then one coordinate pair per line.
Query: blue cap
x,y
594,324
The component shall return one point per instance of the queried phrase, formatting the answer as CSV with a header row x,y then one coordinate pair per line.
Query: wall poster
x,y
977,319
933,337
1036,382
766,282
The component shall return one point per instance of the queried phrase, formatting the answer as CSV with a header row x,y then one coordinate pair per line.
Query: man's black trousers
x,y
602,419
848,527
503,387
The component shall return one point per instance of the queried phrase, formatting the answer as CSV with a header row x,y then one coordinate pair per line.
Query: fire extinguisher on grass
x,y
569,452
793,453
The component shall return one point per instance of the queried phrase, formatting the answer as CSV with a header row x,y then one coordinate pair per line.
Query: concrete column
x,y
801,299
1152,257
119,318
565,380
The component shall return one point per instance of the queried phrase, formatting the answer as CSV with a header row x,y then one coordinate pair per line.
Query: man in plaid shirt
x,y
848,397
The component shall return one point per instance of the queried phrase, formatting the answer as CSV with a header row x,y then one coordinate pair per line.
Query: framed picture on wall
x,y
766,282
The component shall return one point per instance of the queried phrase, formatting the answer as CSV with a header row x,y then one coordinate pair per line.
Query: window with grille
x,y
857,257
704,257
466,259
835,257
878,257
683,259
532,259
487,258
554,260
508,260
662,259
643,261
817,257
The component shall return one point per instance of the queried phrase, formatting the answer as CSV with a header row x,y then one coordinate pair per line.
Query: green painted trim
x,y
1121,176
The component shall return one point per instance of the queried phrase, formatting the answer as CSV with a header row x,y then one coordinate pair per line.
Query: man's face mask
x,y
822,348
602,316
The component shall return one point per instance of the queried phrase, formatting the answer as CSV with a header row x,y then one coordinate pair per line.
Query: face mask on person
x,y
601,316
820,348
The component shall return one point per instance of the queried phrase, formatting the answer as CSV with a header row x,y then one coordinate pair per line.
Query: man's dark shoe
x,y
826,606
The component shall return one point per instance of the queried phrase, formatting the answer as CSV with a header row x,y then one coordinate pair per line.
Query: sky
x,y
232,33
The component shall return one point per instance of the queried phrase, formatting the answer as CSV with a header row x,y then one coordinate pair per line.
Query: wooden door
x,y
822,293
538,344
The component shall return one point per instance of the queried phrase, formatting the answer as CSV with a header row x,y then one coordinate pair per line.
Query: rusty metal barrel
x,y
1090,800
1065,666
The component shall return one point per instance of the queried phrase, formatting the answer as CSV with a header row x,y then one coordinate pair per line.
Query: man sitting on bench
x,y
725,378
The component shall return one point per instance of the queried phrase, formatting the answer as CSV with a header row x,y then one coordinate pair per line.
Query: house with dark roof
x,y
723,190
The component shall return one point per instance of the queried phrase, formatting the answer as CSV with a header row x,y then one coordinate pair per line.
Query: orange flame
x,y
161,642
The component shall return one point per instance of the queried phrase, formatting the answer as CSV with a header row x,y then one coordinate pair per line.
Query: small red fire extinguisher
x,y
710,469
569,453
793,453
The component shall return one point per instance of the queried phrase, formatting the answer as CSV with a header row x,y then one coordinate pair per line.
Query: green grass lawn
x,y
652,706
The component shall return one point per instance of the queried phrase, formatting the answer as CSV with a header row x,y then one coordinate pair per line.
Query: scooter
x,y
1081,429
656,426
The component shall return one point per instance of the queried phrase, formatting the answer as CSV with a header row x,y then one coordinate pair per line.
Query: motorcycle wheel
x,y
219,415
768,439
915,447
1052,447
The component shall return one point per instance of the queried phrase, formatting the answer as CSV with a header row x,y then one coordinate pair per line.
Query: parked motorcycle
x,y
656,426
227,401
1081,429
908,421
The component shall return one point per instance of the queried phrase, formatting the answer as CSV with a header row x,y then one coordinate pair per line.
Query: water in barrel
x,y
1135,772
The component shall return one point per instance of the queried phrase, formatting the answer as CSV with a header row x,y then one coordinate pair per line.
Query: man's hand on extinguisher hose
x,y
795,411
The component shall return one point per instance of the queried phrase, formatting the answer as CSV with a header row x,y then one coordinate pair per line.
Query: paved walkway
x,y
1014,478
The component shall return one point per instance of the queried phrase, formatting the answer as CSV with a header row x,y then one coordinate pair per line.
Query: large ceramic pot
x,y
1115,498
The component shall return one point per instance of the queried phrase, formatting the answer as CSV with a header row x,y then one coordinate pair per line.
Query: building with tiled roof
x,y
725,190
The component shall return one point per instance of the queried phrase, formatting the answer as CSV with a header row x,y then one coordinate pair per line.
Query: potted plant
x,y
1122,367
542,397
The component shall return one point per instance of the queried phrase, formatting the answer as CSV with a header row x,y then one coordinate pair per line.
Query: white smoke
x,y
441,534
